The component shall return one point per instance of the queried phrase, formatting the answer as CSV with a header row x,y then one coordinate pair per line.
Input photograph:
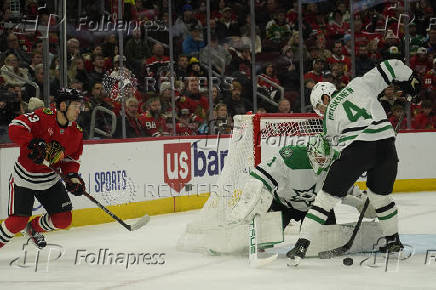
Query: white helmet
x,y
318,90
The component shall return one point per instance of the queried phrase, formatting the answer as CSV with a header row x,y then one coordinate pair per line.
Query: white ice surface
x,y
198,271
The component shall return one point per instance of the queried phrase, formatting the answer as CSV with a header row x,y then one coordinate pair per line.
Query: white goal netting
x,y
254,137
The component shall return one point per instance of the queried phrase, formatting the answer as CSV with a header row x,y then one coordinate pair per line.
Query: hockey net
x,y
254,138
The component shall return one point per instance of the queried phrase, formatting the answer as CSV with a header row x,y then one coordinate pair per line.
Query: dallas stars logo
x,y
305,195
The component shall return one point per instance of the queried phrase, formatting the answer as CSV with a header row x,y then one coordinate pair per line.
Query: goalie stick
x,y
343,249
139,223
253,259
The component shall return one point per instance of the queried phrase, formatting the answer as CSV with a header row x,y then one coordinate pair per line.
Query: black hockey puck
x,y
348,261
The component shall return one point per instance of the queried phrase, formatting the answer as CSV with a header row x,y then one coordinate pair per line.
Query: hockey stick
x,y
253,258
343,249
139,223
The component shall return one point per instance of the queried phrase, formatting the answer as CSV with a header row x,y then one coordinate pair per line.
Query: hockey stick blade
x,y
343,249
139,223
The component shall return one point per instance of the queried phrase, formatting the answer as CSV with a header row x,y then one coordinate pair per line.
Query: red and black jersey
x,y
154,127
43,124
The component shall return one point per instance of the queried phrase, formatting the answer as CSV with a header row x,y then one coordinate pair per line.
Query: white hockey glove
x,y
254,199
356,198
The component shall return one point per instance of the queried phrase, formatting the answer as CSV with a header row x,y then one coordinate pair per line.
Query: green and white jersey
x,y
289,177
354,113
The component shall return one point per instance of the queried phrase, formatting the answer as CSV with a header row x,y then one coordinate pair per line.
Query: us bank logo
x,y
183,161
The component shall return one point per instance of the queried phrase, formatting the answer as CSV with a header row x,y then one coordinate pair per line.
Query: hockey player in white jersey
x,y
288,182
357,126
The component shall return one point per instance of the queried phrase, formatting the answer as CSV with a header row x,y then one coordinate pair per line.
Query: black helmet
x,y
67,95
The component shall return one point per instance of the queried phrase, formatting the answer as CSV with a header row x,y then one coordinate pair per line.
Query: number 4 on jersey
x,y
354,112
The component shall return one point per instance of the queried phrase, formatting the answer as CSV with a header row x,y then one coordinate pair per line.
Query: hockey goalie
x,y
279,190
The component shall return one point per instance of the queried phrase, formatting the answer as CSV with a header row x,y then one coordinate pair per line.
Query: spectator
x,y
221,122
193,42
187,123
397,115
195,69
219,56
420,62
317,72
416,40
426,119
78,72
181,69
133,126
287,69
184,24
110,46
430,78
338,57
13,47
340,79
10,107
157,65
193,99
152,120
267,88
261,110
11,65
236,104
226,27
97,74
277,30
36,59
103,121
38,46
363,62
73,49
337,26
137,51
284,106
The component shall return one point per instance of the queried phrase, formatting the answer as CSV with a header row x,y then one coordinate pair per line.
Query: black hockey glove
x,y
75,184
37,147
411,88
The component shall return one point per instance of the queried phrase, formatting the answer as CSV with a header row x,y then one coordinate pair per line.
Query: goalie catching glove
x,y
43,153
75,184
254,199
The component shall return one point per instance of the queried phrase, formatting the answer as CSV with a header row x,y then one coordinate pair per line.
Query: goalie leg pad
x,y
387,212
318,214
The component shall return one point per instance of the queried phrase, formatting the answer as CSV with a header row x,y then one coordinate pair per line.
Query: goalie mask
x,y
316,96
321,154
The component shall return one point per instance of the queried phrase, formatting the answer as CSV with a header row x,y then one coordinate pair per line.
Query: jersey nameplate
x,y
334,103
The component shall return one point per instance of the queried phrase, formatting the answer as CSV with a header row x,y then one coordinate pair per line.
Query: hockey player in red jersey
x,y
48,138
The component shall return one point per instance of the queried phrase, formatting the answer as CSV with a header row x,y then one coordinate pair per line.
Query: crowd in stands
x,y
93,61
